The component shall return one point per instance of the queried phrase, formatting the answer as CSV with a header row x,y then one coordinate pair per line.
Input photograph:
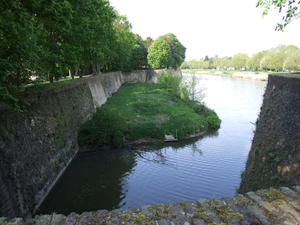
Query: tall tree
x,y
124,45
178,50
159,54
20,52
166,51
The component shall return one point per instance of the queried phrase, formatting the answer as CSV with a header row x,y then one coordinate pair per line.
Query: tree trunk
x,y
71,73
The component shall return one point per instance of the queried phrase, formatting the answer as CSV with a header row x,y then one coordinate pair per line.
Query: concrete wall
x,y
37,145
274,158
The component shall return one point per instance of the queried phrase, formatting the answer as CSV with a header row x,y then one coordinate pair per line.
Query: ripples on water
x,y
205,167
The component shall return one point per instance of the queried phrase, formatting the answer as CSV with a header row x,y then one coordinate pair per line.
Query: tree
x,y
139,54
291,7
178,50
239,60
292,61
159,54
276,61
172,52
124,45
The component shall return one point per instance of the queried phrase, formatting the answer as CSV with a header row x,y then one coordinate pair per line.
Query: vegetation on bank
x,y
281,58
147,111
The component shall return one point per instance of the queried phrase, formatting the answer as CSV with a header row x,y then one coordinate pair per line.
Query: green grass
x,y
150,113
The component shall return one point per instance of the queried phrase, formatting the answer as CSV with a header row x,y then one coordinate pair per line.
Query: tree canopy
x,y
46,40
165,52
290,9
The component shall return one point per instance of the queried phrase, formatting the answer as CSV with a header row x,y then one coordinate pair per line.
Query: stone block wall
x,y
37,145
274,158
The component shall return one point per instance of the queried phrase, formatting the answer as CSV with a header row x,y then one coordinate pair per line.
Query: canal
x,y
204,167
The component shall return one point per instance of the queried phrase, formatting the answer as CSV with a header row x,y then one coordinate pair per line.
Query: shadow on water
x,y
93,181
99,180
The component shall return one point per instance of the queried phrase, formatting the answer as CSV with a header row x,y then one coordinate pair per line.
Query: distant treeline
x,y
281,58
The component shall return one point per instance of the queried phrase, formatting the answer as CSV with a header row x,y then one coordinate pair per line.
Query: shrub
x,y
106,128
169,83
213,121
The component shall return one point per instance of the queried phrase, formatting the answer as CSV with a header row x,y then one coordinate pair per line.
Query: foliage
x,y
191,91
165,52
159,54
291,10
239,60
178,50
169,82
214,121
280,58
123,47
106,128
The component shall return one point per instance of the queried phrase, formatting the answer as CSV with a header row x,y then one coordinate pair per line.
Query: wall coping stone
x,y
272,206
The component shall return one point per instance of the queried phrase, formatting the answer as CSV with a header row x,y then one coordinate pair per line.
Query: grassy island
x,y
143,111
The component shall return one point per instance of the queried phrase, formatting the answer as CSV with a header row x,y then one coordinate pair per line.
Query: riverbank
x,y
140,113
262,76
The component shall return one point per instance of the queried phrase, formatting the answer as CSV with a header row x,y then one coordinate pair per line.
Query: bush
x,y
169,83
106,128
213,121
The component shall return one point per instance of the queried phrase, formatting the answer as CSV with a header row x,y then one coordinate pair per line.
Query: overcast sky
x,y
209,27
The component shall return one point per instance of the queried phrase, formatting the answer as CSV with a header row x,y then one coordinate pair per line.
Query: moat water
x,y
204,167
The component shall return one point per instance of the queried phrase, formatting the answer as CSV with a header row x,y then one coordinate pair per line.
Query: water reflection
x,y
207,167
92,178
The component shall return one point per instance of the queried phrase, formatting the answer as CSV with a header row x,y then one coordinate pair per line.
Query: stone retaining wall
x,y
264,207
36,145
274,158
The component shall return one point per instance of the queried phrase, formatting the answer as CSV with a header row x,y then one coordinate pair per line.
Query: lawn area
x,y
149,113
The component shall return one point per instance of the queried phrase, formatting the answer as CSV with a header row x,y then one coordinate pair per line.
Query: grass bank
x,y
144,111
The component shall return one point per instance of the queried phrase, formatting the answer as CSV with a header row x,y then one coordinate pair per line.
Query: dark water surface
x,y
204,167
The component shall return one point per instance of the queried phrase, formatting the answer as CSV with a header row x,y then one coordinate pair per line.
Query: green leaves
x,y
292,10
165,52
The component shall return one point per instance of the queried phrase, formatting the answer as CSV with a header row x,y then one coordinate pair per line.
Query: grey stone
x,y
289,192
146,210
190,208
70,219
198,222
43,220
259,214
248,218
211,214
86,218
164,222
17,220
3,220
57,219
177,208
101,216
132,210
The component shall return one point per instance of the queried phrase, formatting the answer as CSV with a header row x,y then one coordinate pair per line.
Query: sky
x,y
209,27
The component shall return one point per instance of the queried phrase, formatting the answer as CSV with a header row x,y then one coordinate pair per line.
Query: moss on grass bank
x,y
144,111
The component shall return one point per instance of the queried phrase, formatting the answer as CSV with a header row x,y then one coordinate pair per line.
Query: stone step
x,y
267,207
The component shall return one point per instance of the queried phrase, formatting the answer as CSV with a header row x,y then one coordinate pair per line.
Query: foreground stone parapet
x,y
267,207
